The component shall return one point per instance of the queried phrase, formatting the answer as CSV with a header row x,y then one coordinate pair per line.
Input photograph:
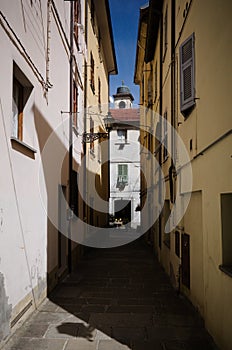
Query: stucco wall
x,y
29,178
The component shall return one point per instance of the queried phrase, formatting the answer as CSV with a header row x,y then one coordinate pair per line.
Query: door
x,y
122,210
185,248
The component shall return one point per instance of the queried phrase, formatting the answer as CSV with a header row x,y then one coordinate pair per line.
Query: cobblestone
x,y
118,299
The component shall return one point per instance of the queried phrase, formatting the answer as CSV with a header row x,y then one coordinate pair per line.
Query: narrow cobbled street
x,y
117,299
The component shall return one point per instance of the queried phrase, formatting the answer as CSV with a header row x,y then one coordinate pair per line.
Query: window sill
x,y
121,143
227,269
22,147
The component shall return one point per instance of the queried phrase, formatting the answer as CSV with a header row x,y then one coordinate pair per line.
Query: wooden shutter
x,y
187,72
75,104
156,82
165,136
92,84
91,132
77,12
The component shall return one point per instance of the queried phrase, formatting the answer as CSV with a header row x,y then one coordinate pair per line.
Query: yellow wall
x,y
210,288
96,170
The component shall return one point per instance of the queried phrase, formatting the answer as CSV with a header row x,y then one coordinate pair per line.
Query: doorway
x,y
122,210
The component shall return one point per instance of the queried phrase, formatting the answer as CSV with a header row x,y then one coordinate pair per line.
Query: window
x,y
91,131
122,104
77,19
123,173
142,91
187,80
17,109
177,243
149,92
122,135
20,93
149,143
185,259
166,214
99,38
75,104
165,137
156,82
165,33
226,224
99,93
92,10
99,151
92,84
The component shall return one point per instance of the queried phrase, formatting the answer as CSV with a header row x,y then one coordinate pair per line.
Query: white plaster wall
x,y
128,103
128,154
28,190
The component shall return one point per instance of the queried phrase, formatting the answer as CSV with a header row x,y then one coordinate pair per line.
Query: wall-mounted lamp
x,y
89,137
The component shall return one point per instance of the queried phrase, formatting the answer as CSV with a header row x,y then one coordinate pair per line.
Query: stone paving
x,y
117,299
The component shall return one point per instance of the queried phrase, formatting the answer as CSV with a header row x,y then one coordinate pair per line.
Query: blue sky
x,y
125,17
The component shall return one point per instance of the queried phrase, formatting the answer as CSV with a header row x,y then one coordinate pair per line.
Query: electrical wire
x,y
16,40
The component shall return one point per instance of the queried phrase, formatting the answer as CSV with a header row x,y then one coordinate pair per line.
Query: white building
x,y
125,159
34,140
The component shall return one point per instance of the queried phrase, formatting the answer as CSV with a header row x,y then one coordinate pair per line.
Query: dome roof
x,y
123,90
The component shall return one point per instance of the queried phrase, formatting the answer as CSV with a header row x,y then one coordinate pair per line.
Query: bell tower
x,y
123,98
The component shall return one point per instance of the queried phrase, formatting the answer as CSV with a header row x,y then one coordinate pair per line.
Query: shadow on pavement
x,y
120,298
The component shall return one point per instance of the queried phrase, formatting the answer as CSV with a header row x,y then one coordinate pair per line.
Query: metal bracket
x,y
89,137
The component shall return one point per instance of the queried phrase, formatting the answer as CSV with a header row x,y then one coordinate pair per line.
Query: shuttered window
x,y
187,72
156,82
165,136
21,91
165,33
77,20
92,82
91,131
99,93
123,173
75,104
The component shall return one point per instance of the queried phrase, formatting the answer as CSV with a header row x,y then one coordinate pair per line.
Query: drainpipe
x,y
70,138
173,98
84,174
160,113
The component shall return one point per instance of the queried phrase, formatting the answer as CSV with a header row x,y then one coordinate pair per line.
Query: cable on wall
x,y
15,39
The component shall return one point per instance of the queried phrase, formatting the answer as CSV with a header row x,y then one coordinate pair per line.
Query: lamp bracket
x,y
89,137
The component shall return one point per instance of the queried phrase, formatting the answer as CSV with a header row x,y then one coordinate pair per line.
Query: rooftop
x,y
125,114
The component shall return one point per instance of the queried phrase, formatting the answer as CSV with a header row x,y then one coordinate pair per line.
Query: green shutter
x,y
187,72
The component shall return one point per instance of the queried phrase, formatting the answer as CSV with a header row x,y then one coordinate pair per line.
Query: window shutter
x,y
165,136
122,173
187,80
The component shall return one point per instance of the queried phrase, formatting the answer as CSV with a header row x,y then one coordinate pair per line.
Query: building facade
x,y
44,93
125,160
100,64
181,89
